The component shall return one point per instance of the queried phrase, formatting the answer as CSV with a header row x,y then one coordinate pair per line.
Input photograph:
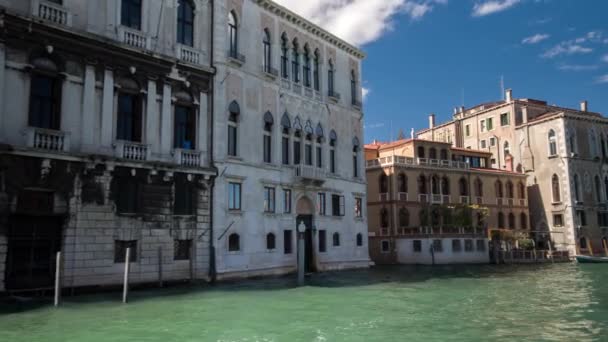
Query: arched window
x,y
435,217
353,86
511,221
402,183
383,183
606,188
522,190
435,185
45,94
510,193
555,189
499,191
577,188
421,152
501,220
359,240
336,239
185,22
480,220
355,157
507,149
319,148
233,35
552,143
404,218
233,119
333,141
270,241
478,188
603,145
444,154
234,242
593,143
330,79
583,242
267,57
464,187
267,138
572,140
286,128
422,187
284,56
384,222
130,14
295,61
432,153
523,221
598,189
307,66
316,67
129,111
445,186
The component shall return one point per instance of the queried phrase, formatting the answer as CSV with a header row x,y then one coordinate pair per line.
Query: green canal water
x,y
561,302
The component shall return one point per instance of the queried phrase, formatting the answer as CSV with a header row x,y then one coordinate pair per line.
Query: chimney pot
x,y
509,95
584,105
432,121
462,109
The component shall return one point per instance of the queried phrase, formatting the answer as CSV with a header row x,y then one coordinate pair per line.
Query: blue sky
x,y
428,56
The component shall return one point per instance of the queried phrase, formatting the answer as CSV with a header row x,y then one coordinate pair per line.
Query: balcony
x,y
402,196
47,139
309,173
188,54
134,38
423,198
187,158
54,13
333,95
479,200
235,57
270,72
436,199
500,201
523,202
510,202
131,150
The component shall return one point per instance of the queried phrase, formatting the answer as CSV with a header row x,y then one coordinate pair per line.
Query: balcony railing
x,y
54,13
402,196
406,161
188,54
332,94
47,139
236,57
464,199
500,201
445,230
423,198
307,172
133,37
523,202
384,197
188,158
510,201
436,198
131,150
479,200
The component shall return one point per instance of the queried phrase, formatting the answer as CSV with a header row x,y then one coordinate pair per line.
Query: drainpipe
x,y
212,266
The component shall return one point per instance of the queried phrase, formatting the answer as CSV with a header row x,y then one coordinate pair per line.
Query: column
x,y
202,136
88,109
165,121
2,80
151,135
107,109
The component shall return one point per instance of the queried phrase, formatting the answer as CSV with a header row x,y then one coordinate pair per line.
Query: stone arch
x,y
304,206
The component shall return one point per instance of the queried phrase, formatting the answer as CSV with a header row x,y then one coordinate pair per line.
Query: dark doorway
x,y
33,242
309,250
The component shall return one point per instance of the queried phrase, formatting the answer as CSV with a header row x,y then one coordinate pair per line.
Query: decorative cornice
x,y
310,27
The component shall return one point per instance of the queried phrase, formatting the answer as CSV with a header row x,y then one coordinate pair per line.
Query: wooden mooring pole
x,y
125,288
57,279
160,267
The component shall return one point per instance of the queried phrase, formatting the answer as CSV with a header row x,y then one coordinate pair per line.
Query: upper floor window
x,y
267,57
128,120
421,152
234,196
333,140
267,139
284,56
432,153
353,86
555,189
383,183
507,149
444,154
232,34
384,221
522,190
185,22
402,183
330,78
307,68
286,127
233,118
598,188
577,189
572,141
552,143
478,188
464,187
337,205
358,207
499,190
295,61
185,127
504,119
422,185
185,198
131,14
45,101
316,66
319,148
355,157
509,189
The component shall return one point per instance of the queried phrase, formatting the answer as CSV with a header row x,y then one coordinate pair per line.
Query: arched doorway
x,y
304,212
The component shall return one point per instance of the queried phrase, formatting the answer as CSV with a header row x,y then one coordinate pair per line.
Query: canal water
x,y
561,302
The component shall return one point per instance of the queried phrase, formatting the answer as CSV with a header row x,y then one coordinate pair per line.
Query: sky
x,y
429,56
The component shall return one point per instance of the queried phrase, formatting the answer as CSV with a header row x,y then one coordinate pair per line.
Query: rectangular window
x,y
504,119
558,220
45,102
467,130
456,247
120,251
234,196
468,245
417,246
131,14
185,24
232,140
128,196
287,241
267,149
269,200
490,124
296,152
286,201
322,241
358,207
482,125
581,218
481,245
181,249
321,203
492,142
185,197
482,144
385,246
332,161
337,205
437,246
185,128
355,166
308,154
285,147
128,121
319,157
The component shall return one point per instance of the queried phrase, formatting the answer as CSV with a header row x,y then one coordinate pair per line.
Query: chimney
x,y
455,110
462,109
432,121
524,115
509,95
584,106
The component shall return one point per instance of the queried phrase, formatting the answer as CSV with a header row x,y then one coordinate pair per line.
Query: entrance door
x,y
309,250
33,242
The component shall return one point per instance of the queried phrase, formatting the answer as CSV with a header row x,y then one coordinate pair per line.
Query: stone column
x,y
107,110
2,80
88,109
152,117
166,122
202,136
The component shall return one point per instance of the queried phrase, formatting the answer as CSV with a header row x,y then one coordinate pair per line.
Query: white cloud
x,y
575,46
535,39
577,67
602,79
365,92
492,6
359,21
605,58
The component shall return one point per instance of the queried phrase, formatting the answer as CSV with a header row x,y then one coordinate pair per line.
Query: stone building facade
x,y
562,150
425,195
288,143
105,114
